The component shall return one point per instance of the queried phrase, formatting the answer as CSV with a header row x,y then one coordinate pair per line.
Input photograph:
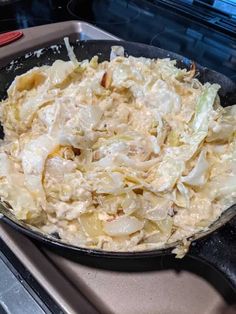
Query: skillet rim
x,y
49,240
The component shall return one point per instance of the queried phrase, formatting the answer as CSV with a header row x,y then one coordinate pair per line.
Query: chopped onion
x,y
123,226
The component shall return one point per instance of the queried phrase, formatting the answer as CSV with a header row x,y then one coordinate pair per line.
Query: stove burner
x,y
104,12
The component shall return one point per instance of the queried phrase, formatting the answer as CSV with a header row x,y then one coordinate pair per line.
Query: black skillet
x,y
216,246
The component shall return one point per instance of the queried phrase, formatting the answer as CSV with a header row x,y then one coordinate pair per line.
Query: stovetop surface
x,y
172,286
189,27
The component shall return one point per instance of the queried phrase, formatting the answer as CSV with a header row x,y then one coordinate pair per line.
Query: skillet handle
x,y
9,37
219,250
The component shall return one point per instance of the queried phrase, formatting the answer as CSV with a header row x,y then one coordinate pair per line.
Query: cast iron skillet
x,y
216,246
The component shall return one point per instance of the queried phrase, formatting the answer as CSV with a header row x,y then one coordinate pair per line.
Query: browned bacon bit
x,y
106,80
96,155
191,73
138,191
110,219
76,151
193,69
120,212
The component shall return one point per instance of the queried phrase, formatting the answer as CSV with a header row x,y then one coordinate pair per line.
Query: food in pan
x,y
123,155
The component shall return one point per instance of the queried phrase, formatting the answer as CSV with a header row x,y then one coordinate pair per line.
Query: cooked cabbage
x,y
129,154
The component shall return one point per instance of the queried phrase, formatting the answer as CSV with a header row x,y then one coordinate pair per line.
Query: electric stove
x,y
203,30
33,279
